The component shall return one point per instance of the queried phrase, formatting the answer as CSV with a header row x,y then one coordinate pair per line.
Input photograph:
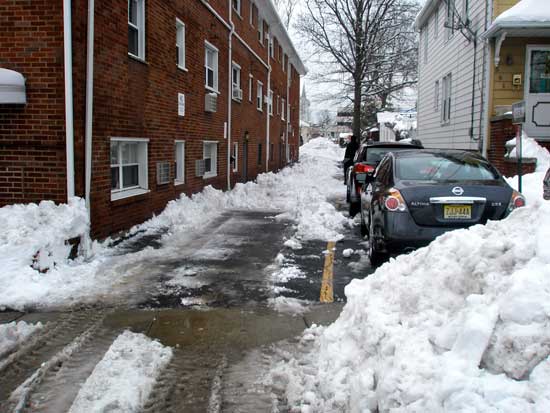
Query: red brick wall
x,y
132,99
32,136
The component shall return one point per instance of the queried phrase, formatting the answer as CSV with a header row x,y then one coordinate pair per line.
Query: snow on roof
x,y
526,11
12,84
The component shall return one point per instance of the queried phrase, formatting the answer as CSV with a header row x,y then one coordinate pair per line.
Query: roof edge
x,y
424,14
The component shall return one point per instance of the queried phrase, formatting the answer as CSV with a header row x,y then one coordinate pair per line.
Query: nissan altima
x,y
415,196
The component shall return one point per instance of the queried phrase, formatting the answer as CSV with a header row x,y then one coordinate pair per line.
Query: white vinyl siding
x,y
451,56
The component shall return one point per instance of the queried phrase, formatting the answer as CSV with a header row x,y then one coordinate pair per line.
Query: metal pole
x,y
519,153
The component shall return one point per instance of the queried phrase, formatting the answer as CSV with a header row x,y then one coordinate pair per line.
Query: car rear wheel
x,y
354,208
364,226
375,255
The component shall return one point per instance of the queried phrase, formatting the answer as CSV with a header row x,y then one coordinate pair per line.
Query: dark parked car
x,y
546,185
366,159
415,196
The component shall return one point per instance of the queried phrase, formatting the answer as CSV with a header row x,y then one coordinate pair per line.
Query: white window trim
x,y
283,108
259,96
270,102
176,180
240,6
250,87
233,84
446,96
214,164
181,26
251,16
141,30
236,156
208,45
143,186
260,30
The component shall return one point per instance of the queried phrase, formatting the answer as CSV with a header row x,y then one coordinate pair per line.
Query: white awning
x,y
12,87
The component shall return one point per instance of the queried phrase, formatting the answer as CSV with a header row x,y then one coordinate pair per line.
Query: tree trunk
x,y
357,109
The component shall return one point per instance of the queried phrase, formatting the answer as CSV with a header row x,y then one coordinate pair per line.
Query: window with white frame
x,y
436,96
270,102
280,53
250,87
450,17
237,92
235,157
446,99
253,11
128,164
237,6
211,66
283,107
179,158
210,157
260,30
426,35
259,96
136,28
180,44
278,104
436,22
288,113
271,48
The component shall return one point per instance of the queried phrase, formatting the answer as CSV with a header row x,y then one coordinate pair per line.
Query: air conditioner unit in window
x,y
163,173
211,102
238,94
200,167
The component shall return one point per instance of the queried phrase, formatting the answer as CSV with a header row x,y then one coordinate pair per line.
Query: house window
x,y
426,34
180,44
236,82
211,67
436,96
271,48
259,154
283,63
450,17
253,12
446,99
282,109
250,86
270,102
235,157
436,22
180,162
259,96
210,156
260,30
278,104
128,166
136,28
237,6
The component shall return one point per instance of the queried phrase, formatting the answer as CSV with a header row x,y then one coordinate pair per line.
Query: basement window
x,y
180,162
128,167
210,156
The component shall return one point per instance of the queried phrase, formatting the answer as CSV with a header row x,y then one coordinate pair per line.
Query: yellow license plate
x,y
457,212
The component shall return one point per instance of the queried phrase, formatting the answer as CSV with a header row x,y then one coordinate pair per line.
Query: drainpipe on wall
x,y
69,121
230,95
89,104
269,104
488,81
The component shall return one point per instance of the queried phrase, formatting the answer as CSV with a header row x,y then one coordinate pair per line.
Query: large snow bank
x,y
526,11
461,325
14,333
124,378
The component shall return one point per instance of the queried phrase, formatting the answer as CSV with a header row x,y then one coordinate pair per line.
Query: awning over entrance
x,y
528,18
12,87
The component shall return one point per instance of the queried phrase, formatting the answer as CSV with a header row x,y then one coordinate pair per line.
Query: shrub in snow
x,y
461,325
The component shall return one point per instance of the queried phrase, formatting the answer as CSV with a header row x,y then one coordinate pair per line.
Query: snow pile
x,y
289,305
461,325
531,183
14,334
526,11
124,378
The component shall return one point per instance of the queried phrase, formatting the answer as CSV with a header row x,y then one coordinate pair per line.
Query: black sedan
x,y
415,196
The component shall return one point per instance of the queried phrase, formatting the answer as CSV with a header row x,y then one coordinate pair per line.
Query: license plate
x,y
457,212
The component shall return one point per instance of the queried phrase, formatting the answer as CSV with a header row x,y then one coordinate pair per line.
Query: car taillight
x,y
394,201
363,168
517,201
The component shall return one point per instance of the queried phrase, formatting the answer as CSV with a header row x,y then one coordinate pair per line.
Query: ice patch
x,y
14,334
287,305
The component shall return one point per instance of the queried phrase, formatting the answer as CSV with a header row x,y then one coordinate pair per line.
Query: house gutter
x,y
69,117
89,104
230,94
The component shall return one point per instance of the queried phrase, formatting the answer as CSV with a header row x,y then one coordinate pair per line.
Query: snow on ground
x,y
289,305
14,333
461,325
35,271
124,378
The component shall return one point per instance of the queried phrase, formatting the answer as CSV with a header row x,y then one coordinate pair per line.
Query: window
x,y
250,83
259,154
280,57
259,96
260,30
436,96
253,12
211,67
236,82
237,6
278,105
426,35
179,166
210,156
283,109
450,17
270,102
271,48
128,166
180,44
436,22
235,157
136,28
446,99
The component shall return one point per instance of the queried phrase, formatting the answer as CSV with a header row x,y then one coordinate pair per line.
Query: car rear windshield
x,y
375,155
444,167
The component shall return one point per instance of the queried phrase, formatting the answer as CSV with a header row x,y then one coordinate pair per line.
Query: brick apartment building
x,y
131,103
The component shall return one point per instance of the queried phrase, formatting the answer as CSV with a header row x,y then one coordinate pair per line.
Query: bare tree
x,y
324,119
286,9
367,47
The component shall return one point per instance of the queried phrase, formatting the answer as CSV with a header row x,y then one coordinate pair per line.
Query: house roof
x,y
425,13
526,18
278,30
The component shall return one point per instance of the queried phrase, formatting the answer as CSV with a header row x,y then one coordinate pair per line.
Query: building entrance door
x,y
537,92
